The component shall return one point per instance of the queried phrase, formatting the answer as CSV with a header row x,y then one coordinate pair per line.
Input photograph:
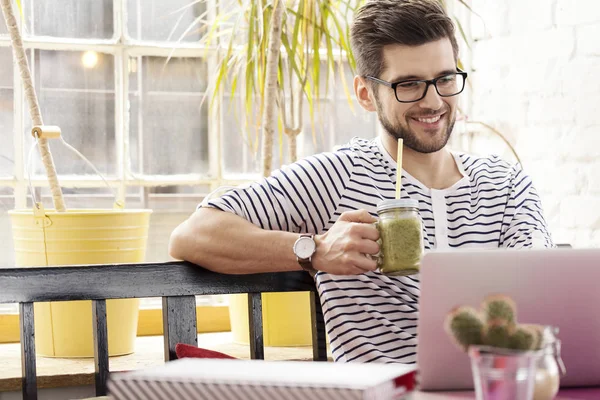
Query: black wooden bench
x,y
176,282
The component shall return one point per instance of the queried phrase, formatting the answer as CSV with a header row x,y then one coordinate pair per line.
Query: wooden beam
x,y
96,282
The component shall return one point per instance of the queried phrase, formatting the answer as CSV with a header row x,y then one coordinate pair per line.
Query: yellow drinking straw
x,y
399,169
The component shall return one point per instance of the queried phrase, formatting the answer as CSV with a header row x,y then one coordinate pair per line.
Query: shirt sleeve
x,y
527,227
300,197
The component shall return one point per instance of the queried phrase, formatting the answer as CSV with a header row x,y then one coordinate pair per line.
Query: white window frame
x,y
121,47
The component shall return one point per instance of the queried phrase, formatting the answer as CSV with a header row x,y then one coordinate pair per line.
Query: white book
x,y
255,379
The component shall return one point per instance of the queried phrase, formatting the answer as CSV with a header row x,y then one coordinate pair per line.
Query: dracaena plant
x,y
276,52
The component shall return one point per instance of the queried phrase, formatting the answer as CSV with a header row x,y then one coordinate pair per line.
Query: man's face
x,y
425,125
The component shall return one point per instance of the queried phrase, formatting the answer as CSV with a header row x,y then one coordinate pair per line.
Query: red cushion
x,y
187,351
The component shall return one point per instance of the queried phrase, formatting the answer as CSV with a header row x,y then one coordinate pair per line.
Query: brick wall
x,y
537,79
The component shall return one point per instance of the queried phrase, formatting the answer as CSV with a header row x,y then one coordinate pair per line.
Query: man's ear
x,y
363,93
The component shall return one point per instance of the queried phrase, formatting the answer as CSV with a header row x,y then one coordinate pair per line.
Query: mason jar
x,y
549,366
400,237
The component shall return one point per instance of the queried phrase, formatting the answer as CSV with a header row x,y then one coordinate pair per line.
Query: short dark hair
x,y
379,23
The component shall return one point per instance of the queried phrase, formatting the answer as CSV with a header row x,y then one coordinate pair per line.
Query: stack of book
x,y
217,379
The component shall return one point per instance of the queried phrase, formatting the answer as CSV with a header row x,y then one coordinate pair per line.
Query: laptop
x,y
558,287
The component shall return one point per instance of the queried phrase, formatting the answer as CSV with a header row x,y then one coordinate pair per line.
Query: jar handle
x,y
558,358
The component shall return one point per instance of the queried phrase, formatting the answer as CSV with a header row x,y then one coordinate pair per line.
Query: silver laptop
x,y
559,287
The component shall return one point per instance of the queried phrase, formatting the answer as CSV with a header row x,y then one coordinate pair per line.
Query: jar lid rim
x,y
397,203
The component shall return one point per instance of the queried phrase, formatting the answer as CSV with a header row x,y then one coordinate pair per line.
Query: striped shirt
x,y
373,317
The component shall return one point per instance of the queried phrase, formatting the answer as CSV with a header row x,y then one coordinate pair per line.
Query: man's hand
x,y
345,248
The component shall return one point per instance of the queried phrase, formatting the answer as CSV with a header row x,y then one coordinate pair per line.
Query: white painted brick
x,y
550,204
556,179
577,12
492,52
580,76
587,40
583,238
538,46
564,236
496,109
537,77
493,20
593,179
586,113
595,242
583,144
545,45
491,78
522,19
541,143
537,80
580,212
552,110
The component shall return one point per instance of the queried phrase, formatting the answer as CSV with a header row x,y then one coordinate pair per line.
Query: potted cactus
x,y
508,359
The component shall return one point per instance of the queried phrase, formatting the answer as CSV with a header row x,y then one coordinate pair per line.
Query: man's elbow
x,y
177,244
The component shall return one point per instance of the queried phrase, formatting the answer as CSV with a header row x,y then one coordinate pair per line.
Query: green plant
x,y
277,52
495,325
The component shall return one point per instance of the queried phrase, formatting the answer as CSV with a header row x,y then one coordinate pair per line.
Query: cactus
x,y
495,326
524,338
498,333
499,307
538,331
465,326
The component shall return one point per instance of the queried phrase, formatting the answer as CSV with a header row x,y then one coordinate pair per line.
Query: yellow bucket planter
x,y
94,236
286,319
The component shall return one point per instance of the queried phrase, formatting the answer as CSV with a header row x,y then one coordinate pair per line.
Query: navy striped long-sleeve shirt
x,y
373,317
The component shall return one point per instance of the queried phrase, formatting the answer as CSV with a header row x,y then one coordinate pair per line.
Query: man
x,y
406,54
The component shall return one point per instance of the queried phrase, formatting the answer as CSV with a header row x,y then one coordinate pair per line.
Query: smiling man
x,y
406,54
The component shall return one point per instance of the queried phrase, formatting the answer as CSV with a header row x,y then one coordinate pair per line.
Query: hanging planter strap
x,y
34,108
46,132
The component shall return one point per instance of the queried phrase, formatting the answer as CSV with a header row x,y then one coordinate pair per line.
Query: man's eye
x,y
408,85
447,79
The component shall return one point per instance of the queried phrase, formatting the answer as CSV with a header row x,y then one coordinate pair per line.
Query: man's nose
x,y
432,99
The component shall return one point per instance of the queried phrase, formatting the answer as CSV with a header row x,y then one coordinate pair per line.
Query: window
x,y
102,75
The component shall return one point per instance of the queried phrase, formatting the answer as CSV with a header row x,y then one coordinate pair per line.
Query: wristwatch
x,y
304,248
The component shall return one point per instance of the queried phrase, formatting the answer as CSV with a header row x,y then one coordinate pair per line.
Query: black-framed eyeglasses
x,y
412,90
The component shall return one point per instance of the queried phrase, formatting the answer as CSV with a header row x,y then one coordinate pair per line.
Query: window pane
x,y
77,197
176,198
168,119
80,99
318,136
160,20
6,113
82,19
240,143
350,122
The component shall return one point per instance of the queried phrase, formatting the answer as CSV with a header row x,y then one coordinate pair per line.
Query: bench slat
x,y
319,340
28,368
255,320
179,323
100,331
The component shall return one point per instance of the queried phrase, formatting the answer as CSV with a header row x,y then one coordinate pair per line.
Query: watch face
x,y
304,247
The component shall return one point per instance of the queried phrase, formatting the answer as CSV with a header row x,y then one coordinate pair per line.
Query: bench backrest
x,y
176,282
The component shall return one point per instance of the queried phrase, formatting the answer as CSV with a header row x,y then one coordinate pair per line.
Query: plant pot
x,y
89,236
286,319
503,373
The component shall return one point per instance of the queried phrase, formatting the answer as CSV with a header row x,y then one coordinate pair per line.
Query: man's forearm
x,y
223,242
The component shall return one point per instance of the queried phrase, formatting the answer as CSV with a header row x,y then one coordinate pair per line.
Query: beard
x,y
410,138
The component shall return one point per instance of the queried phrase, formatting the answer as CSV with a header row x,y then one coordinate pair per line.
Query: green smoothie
x,y
400,245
